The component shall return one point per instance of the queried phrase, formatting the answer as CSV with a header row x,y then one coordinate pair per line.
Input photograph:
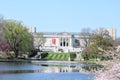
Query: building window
x,y
64,43
60,43
67,44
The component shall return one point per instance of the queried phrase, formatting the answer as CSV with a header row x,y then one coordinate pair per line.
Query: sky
x,y
63,15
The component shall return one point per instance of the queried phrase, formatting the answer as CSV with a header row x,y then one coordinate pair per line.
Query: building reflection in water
x,y
81,69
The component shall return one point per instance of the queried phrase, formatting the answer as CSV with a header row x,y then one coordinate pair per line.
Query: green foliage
x,y
85,56
33,52
72,55
92,51
96,39
3,56
43,55
101,41
105,58
18,37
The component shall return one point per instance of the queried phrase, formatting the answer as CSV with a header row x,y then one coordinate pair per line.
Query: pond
x,y
44,71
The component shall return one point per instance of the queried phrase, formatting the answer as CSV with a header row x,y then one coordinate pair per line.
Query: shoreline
x,y
37,60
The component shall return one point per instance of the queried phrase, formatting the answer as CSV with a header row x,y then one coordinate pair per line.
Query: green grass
x,y
64,56
57,56
54,56
49,56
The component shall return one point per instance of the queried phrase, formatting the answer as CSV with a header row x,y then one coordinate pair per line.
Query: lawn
x,y
57,56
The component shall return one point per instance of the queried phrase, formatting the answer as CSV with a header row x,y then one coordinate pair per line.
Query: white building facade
x,y
62,42
65,41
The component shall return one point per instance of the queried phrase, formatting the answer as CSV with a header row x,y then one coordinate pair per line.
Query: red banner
x,y
54,41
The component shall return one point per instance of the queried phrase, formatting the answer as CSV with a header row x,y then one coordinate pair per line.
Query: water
x,y
43,71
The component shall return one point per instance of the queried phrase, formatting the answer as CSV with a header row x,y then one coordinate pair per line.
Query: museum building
x,y
61,42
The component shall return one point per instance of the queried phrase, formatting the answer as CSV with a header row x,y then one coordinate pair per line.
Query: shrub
x,y
33,52
85,56
72,56
106,58
43,55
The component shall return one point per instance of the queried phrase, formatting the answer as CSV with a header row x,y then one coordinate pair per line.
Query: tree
x,y
1,29
85,34
39,40
4,46
17,36
105,33
90,52
101,41
99,46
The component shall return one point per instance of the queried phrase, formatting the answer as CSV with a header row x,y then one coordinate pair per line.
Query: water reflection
x,y
17,66
46,68
43,71
82,68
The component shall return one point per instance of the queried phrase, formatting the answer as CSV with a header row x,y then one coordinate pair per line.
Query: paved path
x,y
58,61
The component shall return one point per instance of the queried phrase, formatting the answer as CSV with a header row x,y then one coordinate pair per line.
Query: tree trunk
x,y
16,53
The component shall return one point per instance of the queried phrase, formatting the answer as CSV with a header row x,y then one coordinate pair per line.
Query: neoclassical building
x,y
61,42
66,41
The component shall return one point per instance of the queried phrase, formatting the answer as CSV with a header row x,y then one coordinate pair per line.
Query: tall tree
x,y
85,34
39,40
1,29
18,37
4,46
